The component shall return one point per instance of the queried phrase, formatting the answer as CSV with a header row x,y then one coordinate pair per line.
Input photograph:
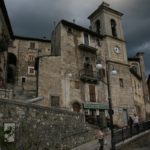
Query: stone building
x,y
64,70
6,34
148,103
69,78
22,54
138,78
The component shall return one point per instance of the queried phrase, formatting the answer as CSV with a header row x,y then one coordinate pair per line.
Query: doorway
x,y
125,116
12,62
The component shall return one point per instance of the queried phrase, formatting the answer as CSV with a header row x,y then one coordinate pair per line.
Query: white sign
x,y
9,132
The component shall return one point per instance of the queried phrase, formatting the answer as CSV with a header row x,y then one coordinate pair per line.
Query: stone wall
x,y
43,128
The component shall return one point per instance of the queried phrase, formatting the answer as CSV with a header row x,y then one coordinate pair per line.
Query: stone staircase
x,y
21,94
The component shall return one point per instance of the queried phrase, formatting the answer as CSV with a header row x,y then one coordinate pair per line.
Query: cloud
x,y
36,18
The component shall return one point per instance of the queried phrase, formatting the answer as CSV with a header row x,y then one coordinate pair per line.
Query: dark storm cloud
x,y
36,18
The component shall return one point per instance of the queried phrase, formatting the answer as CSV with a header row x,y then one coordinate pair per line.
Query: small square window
x,y
121,83
55,101
69,30
87,60
32,45
31,58
23,79
31,70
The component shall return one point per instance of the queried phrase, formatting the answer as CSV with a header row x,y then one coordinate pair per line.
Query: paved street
x,y
94,145
143,148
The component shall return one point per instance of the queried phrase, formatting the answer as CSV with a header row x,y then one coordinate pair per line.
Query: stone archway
x,y
76,107
11,73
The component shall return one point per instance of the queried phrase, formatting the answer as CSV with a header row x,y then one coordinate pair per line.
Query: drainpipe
x,y
37,76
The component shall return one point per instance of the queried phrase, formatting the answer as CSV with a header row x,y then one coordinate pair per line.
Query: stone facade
x,y
42,128
148,103
5,36
22,55
66,74
137,86
69,77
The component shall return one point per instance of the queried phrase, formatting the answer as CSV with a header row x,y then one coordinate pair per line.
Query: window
x,y
69,30
86,39
77,84
32,45
98,27
92,93
113,28
31,70
55,101
76,107
87,60
23,80
31,58
121,82
135,68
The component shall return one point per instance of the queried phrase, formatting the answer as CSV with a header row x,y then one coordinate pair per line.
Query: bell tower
x,y
107,22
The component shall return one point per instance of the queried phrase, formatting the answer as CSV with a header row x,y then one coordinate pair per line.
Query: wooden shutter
x,y
92,93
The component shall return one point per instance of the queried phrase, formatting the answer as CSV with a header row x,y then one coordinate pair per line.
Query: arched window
x,y
135,68
113,28
12,59
76,107
98,27
11,73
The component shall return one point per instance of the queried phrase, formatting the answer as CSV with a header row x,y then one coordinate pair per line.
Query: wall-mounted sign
x,y
95,106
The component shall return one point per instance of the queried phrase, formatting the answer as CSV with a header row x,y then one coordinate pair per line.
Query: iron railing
x,y
89,75
127,132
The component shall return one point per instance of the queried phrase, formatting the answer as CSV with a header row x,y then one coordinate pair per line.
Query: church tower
x,y
107,22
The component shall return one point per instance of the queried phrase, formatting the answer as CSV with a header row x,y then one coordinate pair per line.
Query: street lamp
x,y
113,72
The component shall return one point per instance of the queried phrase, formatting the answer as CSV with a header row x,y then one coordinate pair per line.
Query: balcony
x,y
88,48
89,76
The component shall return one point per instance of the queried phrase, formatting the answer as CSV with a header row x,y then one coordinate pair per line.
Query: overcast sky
x,y
35,18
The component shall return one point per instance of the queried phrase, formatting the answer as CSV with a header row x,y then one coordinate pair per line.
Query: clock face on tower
x,y
116,49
